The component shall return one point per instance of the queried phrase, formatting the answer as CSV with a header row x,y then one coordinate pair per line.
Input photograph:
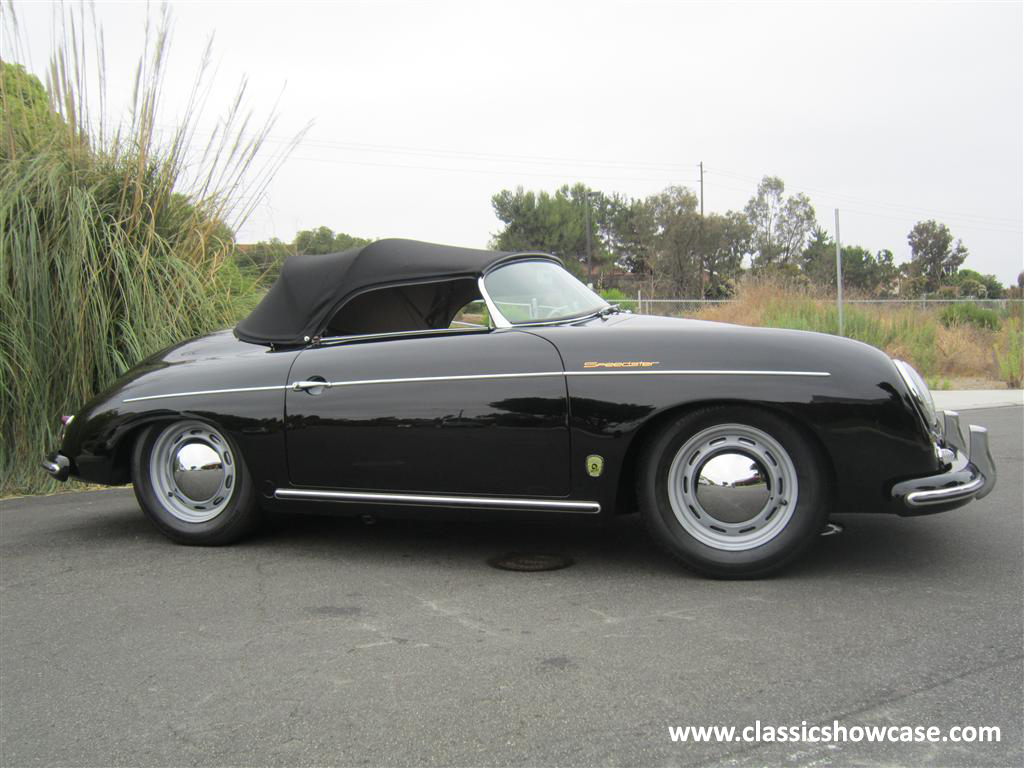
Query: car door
x,y
464,412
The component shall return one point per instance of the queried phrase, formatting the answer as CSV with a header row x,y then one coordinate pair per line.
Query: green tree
x,y
780,224
677,265
313,241
555,223
661,237
633,234
263,259
818,260
972,289
345,242
725,241
1016,291
324,240
873,275
934,257
27,121
887,273
868,274
981,286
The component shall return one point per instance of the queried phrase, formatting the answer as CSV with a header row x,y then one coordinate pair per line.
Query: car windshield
x,y
538,292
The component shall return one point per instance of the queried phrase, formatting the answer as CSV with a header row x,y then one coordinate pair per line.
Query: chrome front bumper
x,y
58,465
970,473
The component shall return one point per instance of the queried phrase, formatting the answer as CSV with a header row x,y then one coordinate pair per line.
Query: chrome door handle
x,y
302,386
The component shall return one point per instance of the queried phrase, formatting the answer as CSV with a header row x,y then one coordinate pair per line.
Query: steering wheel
x,y
555,310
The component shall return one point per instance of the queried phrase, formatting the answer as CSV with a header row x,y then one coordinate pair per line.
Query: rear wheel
x,y
193,484
732,492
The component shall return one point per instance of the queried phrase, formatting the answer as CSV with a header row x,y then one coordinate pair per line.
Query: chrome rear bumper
x,y
971,472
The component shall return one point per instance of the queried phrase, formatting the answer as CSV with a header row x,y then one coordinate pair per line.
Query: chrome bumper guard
x,y
971,473
58,465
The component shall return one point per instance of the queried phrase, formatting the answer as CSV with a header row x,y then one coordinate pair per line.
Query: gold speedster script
x,y
621,364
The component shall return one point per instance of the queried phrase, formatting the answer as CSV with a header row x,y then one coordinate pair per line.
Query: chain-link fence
x,y
644,305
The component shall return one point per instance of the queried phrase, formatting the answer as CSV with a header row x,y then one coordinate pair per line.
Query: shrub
x,y
973,289
1010,354
968,313
616,296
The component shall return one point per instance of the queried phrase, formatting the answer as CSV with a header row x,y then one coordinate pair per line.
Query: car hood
x,y
670,343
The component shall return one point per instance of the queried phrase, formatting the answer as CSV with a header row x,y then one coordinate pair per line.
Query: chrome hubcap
x,y
198,471
192,471
732,487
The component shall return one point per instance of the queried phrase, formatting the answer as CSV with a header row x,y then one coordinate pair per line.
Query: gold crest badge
x,y
595,465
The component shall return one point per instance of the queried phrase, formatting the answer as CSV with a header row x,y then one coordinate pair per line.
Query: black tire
x,y
239,510
666,525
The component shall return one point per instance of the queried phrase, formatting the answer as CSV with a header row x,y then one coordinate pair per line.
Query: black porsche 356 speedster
x,y
408,375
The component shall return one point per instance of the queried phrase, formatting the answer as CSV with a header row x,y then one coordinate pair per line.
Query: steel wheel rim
x,y
186,498
762,449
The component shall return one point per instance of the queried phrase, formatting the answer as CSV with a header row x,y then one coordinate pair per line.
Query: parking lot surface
x,y
328,641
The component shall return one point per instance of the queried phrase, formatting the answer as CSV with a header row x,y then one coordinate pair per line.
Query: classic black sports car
x,y
411,375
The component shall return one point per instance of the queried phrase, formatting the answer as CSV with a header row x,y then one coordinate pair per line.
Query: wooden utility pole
x,y
839,276
590,267
701,189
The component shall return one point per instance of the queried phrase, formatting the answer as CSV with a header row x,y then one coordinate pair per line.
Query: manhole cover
x,y
832,529
530,561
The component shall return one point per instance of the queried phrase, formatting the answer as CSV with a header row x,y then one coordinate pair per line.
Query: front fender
x,y
855,405
187,380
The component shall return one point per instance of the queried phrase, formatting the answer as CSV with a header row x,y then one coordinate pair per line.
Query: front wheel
x,y
732,492
193,484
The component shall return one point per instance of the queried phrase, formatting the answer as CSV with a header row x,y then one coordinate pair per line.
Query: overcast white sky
x,y
421,111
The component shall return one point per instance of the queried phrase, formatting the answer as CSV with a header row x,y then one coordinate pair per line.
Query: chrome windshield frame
x,y
500,321
497,319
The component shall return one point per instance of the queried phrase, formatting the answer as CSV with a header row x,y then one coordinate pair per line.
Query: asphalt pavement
x,y
326,641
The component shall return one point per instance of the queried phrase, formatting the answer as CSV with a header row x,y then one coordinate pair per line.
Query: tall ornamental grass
x,y
115,237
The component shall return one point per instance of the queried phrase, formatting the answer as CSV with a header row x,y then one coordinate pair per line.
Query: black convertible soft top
x,y
311,287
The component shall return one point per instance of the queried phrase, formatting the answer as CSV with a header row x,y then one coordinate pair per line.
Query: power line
x,y
470,155
968,220
876,203
445,153
490,171
1009,229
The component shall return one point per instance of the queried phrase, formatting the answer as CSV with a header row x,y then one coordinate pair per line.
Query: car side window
x,y
440,305
473,315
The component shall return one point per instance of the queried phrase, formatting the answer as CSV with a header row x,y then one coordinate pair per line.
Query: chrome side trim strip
x,y
482,502
204,392
538,374
466,377
481,377
697,373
